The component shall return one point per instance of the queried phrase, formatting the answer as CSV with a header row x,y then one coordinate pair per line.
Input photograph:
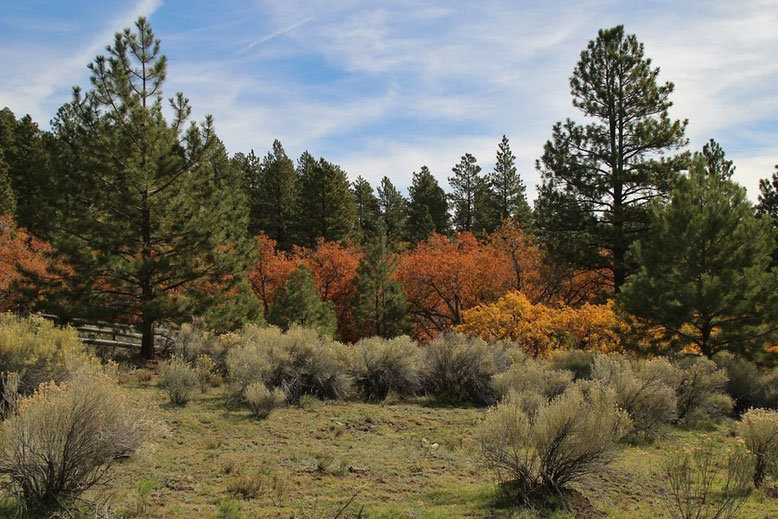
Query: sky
x,y
382,88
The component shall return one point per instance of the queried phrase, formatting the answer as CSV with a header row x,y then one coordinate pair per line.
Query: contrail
x,y
274,35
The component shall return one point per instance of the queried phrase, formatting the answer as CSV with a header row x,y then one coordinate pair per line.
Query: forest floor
x,y
389,460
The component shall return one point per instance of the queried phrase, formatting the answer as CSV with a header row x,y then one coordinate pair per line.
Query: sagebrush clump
x,y
536,457
457,368
641,391
180,380
383,365
299,362
759,431
38,351
701,391
533,375
262,400
63,439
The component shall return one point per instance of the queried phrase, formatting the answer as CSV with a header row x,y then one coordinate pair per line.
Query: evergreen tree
x,y
298,303
467,186
7,198
328,209
251,170
394,210
508,190
368,210
380,307
768,205
157,225
715,161
26,151
703,276
427,207
277,197
599,177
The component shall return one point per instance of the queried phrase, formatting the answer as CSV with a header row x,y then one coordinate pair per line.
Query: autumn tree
x,y
380,305
270,270
329,209
21,253
599,177
525,256
157,211
467,186
333,266
368,210
427,207
298,303
444,277
704,278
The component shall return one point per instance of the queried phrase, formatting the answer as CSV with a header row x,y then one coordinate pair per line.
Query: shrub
x,y
299,362
747,385
692,475
206,370
194,341
457,368
569,437
641,392
39,351
64,438
577,361
259,484
700,391
759,430
533,375
144,375
380,366
179,380
9,394
261,400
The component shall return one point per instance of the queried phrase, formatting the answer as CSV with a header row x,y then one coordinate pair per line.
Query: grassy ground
x,y
397,459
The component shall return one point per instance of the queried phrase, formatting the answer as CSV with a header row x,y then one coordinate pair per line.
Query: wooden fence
x,y
114,335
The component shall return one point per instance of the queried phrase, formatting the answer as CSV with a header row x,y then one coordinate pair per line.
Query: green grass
x,y
310,461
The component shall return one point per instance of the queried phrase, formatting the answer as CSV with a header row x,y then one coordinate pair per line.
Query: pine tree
x,y
328,209
298,303
7,198
703,276
427,207
368,210
278,197
467,186
508,189
768,205
251,168
27,154
380,307
394,211
715,161
157,226
599,177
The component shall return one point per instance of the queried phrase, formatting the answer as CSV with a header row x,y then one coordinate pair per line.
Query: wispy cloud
x,y
274,34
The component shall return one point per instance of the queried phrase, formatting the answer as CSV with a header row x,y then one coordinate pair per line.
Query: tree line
x,y
134,216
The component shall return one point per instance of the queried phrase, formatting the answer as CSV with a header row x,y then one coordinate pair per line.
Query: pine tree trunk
x,y
147,341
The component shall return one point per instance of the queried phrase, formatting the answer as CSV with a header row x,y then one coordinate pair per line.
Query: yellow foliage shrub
x,y
541,329
39,351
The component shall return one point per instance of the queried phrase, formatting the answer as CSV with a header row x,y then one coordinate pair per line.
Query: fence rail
x,y
115,335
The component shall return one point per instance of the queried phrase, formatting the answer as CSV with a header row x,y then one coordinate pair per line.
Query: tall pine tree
x,y
599,177
427,207
298,303
157,225
768,205
394,211
508,190
467,186
328,209
368,210
7,198
277,200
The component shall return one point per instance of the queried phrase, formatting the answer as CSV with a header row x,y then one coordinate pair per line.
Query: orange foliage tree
x,y
334,269
20,252
270,271
540,328
444,277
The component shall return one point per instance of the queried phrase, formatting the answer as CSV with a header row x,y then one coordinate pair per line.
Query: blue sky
x,y
384,87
